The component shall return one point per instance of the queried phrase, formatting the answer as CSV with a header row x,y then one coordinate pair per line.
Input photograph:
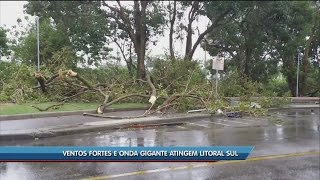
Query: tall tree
x,y
244,40
294,21
262,34
218,12
52,42
3,42
125,46
172,8
81,21
311,46
141,22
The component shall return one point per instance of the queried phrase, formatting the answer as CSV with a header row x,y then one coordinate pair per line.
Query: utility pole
x,y
298,70
217,82
38,43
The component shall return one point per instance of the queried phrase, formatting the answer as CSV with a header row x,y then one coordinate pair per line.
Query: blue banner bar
x,y
91,153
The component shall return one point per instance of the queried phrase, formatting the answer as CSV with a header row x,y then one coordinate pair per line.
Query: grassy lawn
x,y
10,109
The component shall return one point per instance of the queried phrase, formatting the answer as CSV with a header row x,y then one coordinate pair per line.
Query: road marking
x,y
216,123
199,125
199,165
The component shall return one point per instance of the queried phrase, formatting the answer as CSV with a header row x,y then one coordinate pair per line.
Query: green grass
x,y
11,109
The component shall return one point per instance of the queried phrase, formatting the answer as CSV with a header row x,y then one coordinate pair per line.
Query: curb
x,y
294,108
61,113
294,100
83,128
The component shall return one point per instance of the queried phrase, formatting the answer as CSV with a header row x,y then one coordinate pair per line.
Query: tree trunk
x,y
306,63
288,71
129,66
172,21
137,30
189,42
140,36
292,84
190,49
247,62
305,68
191,17
141,70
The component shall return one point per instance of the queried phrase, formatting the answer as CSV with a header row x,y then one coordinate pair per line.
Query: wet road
x,y
292,136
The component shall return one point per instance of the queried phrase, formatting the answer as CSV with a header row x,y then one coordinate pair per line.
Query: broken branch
x,y
47,108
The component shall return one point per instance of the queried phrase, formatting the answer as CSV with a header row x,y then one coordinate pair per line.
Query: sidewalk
x,y
297,106
64,125
42,125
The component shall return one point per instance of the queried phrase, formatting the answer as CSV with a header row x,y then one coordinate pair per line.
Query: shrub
x,y
177,74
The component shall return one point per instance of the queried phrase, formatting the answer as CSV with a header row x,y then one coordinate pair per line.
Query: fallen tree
x,y
72,79
172,86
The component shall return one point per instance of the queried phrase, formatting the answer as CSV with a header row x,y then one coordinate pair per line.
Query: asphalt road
x,y
286,150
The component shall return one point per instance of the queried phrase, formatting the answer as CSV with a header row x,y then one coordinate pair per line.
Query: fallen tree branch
x,y
77,94
125,97
153,97
70,73
128,117
176,96
74,84
159,109
49,107
101,108
47,82
152,100
52,78
166,104
85,86
42,81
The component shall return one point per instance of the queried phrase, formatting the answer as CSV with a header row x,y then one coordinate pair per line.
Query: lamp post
x,y
298,69
38,44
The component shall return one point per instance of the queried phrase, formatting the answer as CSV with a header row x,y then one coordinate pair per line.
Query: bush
x,y
235,85
177,74
16,82
278,86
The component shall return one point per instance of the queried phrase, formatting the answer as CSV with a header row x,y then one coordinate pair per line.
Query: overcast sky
x,y
11,10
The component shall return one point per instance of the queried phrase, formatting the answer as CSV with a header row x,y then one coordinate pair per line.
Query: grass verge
x,y
12,109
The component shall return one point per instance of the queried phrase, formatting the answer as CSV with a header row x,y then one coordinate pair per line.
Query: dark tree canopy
x,y
3,42
139,24
82,22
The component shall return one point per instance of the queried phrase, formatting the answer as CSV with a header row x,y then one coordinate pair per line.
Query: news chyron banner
x,y
125,154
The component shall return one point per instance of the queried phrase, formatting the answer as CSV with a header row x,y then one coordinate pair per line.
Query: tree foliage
x,y
264,35
3,42
218,13
81,22
52,42
259,40
139,24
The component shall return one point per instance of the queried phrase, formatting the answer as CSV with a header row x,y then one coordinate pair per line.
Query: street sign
x,y
218,63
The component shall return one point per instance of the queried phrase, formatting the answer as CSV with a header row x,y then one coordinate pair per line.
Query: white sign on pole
x,y
218,63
